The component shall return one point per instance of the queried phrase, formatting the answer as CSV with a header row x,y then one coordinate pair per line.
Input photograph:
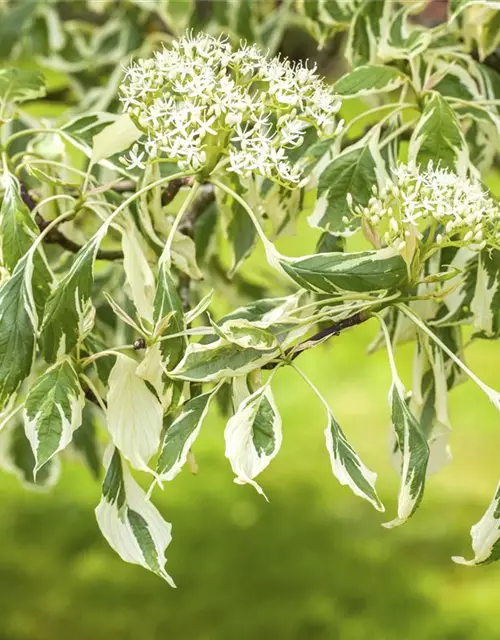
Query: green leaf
x,y
18,326
181,435
17,233
485,535
114,138
53,411
18,85
167,304
347,466
362,271
14,21
138,273
69,305
16,457
240,230
411,443
369,79
219,359
438,138
253,436
131,524
353,172
457,304
485,305
134,414
86,444
369,23
429,402
18,229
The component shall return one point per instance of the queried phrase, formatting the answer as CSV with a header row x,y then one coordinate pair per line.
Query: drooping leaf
x,y
86,444
134,414
485,305
17,233
69,304
253,436
352,172
131,524
18,326
438,138
485,535
411,443
167,303
361,271
17,229
347,466
369,79
369,23
53,411
137,271
181,435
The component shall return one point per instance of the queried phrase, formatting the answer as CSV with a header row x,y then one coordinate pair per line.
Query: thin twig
x,y
321,336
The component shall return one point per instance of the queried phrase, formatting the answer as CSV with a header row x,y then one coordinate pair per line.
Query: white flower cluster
x,y
456,209
202,104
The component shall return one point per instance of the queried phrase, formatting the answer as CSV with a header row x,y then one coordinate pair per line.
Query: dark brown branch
x,y
321,336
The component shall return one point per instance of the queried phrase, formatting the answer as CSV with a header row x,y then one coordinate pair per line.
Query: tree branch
x,y
321,336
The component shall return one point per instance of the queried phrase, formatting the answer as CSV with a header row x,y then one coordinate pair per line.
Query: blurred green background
x,y
314,563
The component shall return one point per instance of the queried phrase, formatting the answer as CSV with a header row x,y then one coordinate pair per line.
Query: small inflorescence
x,y
202,104
457,210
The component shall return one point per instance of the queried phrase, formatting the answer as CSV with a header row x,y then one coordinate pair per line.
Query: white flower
x,y
134,159
200,101
457,210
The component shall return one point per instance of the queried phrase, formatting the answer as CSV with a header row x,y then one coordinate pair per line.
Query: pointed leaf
x,y
114,138
486,535
181,434
438,138
69,303
347,466
362,271
134,414
53,410
485,305
18,326
253,436
369,79
138,272
133,526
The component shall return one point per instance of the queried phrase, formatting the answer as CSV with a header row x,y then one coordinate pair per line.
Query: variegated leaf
x,y
485,305
347,466
53,411
181,435
16,457
369,79
362,271
18,326
486,535
69,305
137,271
369,23
438,138
351,174
131,524
167,303
220,359
134,414
411,443
253,436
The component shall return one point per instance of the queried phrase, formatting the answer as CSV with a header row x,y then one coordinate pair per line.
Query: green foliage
x,y
227,148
